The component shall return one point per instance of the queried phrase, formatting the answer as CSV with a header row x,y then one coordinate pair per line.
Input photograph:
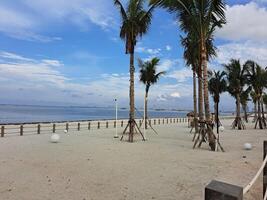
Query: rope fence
x,y
219,190
53,127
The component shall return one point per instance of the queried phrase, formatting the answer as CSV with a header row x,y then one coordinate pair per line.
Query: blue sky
x,y
58,53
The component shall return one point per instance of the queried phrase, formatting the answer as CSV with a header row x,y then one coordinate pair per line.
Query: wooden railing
x,y
53,127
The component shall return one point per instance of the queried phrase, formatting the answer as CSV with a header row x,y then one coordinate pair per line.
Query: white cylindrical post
x,y
116,118
144,117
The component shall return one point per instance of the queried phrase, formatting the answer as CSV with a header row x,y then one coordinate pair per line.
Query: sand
x,y
92,165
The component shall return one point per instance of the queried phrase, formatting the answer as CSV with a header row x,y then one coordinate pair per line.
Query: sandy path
x,y
93,165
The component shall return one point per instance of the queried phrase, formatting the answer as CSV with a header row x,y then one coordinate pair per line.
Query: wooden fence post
x,y
121,123
2,131
140,123
167,120
115,124
265,168
162,121
158,121
154,122
106,124
89,125
54,128
79,126
216,190
98,125
38,129
67,126
21,130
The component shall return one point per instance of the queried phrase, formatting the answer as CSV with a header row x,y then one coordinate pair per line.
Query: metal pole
x,y
116,109
145,117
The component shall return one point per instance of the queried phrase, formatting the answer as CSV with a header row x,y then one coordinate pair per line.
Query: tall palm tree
x,y
236,82
217,85
149,76
135,23
258,80
200,18
192,58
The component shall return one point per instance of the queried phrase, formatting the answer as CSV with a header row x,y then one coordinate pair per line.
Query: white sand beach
x,y
92,165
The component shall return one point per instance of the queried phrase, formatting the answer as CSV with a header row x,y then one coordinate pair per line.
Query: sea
x,y
10,114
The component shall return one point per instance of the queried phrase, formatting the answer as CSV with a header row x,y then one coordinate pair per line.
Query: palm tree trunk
x,y
195,100
146,116
245,112
211,136
200,95
217,116
259,114
262,112
255,111
131,96
238,111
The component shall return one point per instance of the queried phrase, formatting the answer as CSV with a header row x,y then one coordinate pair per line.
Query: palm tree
x,y
258,80
191,55
135,23
236,82
199,18
217,85
149,76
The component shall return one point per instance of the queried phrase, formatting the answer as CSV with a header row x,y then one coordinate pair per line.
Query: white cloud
x,y
152,52
245,22
26,19
168,48
175,95
181,75
166,64
31,80
248,50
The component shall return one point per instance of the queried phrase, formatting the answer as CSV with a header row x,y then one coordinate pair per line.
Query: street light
x,y
116,111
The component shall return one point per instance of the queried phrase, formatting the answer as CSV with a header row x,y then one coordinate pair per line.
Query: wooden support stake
x,y
121,123
67,126
107,124
265,168
2,131
115,124
158,121
54,128
98,125
21,130
216,190
79,126
89,125
38,128
154,122
167,120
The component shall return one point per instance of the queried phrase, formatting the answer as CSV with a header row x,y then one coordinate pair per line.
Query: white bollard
x,y
247,146
55,138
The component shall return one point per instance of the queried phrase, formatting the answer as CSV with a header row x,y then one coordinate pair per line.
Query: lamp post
x,y
145,117
116,118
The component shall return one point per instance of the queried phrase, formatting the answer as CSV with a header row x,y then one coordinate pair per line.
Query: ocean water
x,y
27,114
